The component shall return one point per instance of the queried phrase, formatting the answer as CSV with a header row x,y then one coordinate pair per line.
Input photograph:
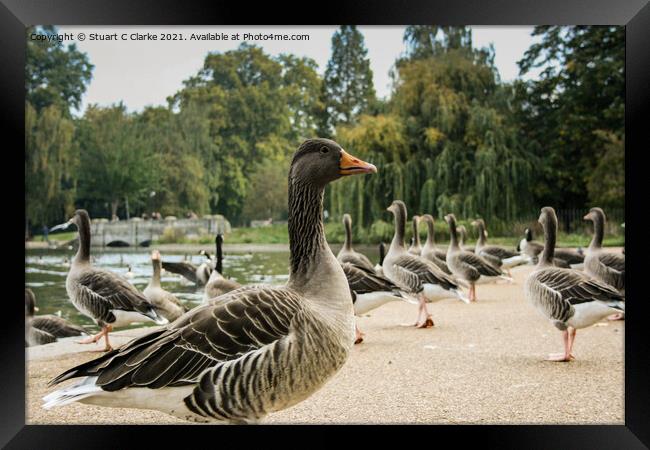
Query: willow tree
x,y
50,165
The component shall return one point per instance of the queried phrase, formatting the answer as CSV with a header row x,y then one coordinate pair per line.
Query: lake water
x,y
46,271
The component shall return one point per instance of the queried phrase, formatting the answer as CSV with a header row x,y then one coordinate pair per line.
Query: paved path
x,y
481,363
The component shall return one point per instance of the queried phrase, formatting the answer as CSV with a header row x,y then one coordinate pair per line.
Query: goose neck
x,y
550,235
306,234
599,232
348,235
400,228
155,279
83,253
431,242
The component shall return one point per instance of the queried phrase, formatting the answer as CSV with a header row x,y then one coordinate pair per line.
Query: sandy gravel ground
x,y
482,363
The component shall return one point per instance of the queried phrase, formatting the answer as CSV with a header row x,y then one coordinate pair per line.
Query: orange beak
x,y
349,165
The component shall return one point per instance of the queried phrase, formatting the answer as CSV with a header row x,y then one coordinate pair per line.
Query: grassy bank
x,y
380,231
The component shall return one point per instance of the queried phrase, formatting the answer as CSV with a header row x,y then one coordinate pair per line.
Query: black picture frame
x,y
15,15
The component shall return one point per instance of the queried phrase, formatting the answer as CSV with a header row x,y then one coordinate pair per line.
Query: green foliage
x,y
581,90
116,163
606,183
54,74
50,163
348,90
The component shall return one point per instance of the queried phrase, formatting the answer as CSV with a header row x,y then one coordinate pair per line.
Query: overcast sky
x,y
142,73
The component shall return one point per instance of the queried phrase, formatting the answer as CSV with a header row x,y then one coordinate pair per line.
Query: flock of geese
x,y
250,350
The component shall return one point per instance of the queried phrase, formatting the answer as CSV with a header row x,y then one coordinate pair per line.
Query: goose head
x,y
397,208
347,220
595,214
155,255
320,161
80,218
547,218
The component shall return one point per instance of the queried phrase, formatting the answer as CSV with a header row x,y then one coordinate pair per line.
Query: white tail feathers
x,y
72,393
461,295
515,261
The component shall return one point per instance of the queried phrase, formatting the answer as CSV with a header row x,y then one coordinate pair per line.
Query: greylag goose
x,y
467,266
382,254
107,298
347,253
564,258
217,284
259,349
430,251
416,275
462,237
569,298
501,257
166,304
198,275
607,267
34,336
369,291
50,324
415,248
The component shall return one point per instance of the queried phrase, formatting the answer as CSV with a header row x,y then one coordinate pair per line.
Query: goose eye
x,y
324,150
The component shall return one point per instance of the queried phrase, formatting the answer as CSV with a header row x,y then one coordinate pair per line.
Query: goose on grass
x,y
415,275
569,298
106,297
259,349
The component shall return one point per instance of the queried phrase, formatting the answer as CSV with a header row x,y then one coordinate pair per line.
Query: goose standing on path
x,y
107,298
606,267
502,257
217,284
430,251
569,298
47,328
414,274
166,304
415,248
369,291
259,349
347,253
468,266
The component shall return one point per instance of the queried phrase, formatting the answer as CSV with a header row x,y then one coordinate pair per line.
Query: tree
x,y
348,89
50,163
55,79
606,183
258,108
54,74
115,162
581,90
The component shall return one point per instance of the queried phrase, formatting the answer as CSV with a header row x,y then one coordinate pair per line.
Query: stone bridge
x,y
139,233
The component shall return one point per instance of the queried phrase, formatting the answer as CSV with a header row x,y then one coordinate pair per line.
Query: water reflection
x,y
46,271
